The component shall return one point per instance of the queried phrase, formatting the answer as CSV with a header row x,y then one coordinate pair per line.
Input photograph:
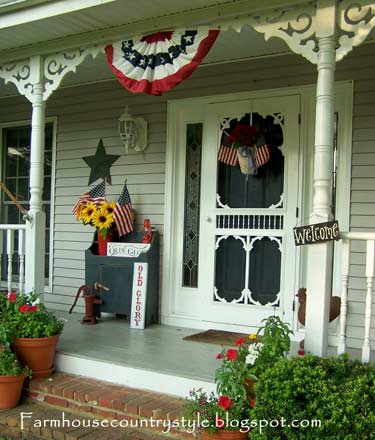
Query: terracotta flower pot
x,y
10,390
225,434
37,353
102,243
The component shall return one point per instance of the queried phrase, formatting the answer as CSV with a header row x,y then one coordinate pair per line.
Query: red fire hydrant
x,y
90,299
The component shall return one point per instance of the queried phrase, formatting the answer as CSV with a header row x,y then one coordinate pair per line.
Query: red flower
x,y
252,403
219,356
12,297
242,134
224,402
240,341
232,354
301,352
25,308
33,308
219,422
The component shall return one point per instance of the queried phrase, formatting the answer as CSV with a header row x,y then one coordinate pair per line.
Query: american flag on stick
x,y
95,195
227,155
262,155
122,214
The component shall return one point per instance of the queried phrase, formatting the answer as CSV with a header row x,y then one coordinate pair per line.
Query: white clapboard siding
x,y
87,113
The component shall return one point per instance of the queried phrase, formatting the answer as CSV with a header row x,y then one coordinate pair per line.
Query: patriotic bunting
x,y
228,155
122,214
95,195
157,63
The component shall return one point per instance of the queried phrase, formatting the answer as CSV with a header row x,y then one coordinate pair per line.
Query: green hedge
x,y
337,391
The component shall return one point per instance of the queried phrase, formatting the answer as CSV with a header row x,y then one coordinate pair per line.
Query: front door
x,y
234,258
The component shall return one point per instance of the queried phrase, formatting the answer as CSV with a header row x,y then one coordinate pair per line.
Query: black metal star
x,y
100,164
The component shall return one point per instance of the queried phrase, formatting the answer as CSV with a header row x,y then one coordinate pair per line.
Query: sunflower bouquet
x,y
100,216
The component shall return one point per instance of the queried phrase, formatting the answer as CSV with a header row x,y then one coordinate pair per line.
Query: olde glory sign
x,y
317,233
137,317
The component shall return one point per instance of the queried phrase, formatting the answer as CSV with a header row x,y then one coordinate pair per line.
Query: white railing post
x,y
370,264
345,253
10,252
21,259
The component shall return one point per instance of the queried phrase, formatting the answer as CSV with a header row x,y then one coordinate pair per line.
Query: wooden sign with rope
x,y
15,201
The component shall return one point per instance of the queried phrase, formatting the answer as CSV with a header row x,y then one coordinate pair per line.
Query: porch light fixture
x,y
133,131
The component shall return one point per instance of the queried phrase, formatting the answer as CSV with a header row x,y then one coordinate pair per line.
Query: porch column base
x,y
318,298
35,251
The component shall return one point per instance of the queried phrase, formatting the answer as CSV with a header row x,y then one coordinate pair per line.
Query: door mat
x,y
220,337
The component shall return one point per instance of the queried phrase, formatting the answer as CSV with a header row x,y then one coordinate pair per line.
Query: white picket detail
x,y
370,260
9,233
345,252
369,238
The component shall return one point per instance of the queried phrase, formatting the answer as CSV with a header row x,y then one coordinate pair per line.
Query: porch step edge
x,y
129,376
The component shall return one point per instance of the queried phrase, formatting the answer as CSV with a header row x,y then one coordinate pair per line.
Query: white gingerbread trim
x,y
56,66
18,73
356,19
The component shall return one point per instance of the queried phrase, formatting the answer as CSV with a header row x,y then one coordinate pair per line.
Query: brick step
x,y
106,400
11,427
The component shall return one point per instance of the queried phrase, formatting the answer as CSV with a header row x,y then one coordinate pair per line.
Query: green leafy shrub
x,y
337,391
9,365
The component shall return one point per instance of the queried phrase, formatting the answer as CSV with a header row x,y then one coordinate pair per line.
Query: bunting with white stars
x,y
159,62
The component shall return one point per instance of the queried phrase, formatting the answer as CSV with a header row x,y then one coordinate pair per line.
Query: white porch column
x,y
35,230
319,272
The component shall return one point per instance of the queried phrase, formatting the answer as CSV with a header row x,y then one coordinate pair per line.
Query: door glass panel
x,y
249,249
265,188
192,204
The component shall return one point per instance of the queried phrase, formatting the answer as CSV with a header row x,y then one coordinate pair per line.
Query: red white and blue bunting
x,y
159,62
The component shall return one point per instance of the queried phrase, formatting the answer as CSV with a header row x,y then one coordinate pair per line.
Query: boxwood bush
x,y
337,391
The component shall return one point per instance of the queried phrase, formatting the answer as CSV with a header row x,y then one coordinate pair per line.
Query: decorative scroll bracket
x,y
356,19
18,73
58,65
55,67
298,26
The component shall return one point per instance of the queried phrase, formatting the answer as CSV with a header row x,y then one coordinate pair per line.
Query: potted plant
x,y
226,416
12,377
35,333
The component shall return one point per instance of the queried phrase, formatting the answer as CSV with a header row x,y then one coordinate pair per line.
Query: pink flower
x,y
232,354
12,297
219,356
24,308
33,308
240,341
224,402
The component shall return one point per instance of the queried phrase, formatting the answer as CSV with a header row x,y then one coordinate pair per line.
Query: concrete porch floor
x,y
156,358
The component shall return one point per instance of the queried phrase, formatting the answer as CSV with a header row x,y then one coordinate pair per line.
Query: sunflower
x,y
102,220
108,208
87,213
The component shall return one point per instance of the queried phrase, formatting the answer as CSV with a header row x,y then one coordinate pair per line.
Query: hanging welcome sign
x,y
316,233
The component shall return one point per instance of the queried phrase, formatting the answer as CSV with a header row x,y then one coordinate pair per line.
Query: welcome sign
x,y
316,233
138,310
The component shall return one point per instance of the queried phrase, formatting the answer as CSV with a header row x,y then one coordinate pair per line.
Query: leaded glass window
x,y
192,204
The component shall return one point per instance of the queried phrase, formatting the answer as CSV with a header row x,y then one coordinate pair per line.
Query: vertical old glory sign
x,y
137,318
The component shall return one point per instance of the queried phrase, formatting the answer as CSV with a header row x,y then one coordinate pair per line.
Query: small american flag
x,y
122,214
262,155
227,155
95,195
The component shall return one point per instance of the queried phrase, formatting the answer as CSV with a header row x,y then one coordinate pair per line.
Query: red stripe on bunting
x,y
158,86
